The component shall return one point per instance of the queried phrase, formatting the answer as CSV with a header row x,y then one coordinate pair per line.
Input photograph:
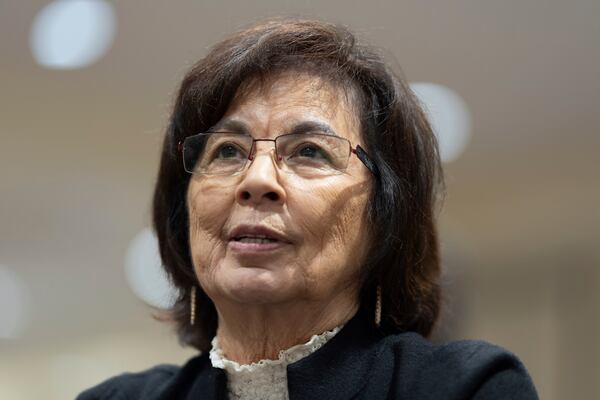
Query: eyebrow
x,y
230,125
312,126
237,126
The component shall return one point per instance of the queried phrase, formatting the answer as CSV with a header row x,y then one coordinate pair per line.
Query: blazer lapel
x,y
197,380
340,369
210,385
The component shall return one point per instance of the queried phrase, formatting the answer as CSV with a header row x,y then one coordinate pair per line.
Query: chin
x,y
255,285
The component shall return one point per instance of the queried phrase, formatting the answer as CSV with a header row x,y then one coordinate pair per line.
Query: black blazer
x,y
357,363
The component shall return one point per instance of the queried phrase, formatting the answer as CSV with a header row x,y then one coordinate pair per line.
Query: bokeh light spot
x,y
448,115
69,34
15,304
145,274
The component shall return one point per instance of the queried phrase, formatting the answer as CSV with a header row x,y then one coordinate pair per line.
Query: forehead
x,y
276,105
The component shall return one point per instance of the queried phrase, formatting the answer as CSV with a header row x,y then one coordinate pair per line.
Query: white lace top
x,y
265,379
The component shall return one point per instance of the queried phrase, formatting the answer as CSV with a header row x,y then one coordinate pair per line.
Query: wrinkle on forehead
x,y
304,89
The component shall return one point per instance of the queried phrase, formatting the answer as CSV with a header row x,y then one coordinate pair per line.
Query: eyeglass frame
x,y
358,151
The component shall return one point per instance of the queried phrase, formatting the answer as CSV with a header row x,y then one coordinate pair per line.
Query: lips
x,y
254,239
256,234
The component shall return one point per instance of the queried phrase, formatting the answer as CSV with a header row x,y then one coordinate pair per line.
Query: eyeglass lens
x,y
306,154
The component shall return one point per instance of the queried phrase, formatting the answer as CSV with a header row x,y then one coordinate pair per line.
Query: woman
x,y
295,212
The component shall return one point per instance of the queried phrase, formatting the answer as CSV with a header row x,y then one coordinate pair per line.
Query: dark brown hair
x,y
403,256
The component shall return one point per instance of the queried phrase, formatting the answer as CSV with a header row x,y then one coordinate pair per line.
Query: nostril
x,y
245,195
272,196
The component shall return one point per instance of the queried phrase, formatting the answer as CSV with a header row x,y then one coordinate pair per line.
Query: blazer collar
x,y
340,369
197,379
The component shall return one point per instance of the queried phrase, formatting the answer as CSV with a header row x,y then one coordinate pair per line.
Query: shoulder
x,y
461,369
141,385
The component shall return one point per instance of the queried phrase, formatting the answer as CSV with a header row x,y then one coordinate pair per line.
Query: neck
x,y
248,334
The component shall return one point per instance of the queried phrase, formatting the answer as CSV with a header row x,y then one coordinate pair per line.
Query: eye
x,y
309,150
228,151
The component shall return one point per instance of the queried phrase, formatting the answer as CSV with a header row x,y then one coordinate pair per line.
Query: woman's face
x,y
319,222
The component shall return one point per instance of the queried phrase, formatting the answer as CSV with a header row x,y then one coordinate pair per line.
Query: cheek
x,y
333,221
208,208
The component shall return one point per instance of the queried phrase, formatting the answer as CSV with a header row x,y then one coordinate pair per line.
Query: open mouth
x,y
260,239
253,240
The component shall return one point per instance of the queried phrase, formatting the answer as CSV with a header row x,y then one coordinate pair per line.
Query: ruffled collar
x,y
286,357
265,379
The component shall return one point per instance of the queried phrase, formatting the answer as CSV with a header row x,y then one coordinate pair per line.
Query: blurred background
x,y
86,86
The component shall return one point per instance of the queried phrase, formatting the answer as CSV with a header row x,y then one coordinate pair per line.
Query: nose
x,y
261,182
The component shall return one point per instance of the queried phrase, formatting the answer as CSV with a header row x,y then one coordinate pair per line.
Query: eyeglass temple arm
x,y
362,156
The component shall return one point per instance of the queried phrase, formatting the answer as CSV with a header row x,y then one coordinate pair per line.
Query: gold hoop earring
x,y
378,307
193,306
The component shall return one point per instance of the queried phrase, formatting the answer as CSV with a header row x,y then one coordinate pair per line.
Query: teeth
x,y
257,236
256,240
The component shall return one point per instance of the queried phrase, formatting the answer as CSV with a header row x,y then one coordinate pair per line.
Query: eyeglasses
x,y
304,154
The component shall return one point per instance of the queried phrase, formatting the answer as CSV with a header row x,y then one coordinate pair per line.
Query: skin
x,y
270,302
